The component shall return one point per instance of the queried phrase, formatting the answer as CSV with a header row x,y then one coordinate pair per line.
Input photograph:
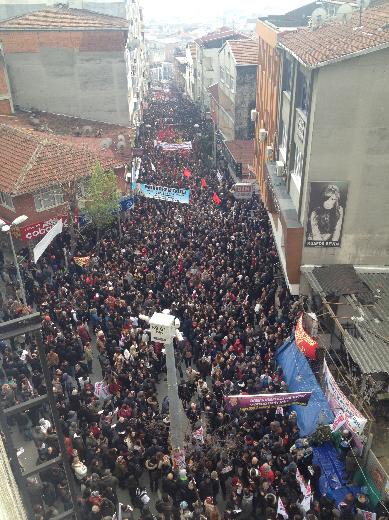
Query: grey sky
x,y
203,9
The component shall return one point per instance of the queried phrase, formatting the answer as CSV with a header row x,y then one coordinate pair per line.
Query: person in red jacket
x,y
266,472
125,411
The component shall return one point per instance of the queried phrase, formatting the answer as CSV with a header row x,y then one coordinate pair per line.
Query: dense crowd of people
x,y
215,266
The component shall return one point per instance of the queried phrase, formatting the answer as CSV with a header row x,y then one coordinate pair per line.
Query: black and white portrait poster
x,y
327,204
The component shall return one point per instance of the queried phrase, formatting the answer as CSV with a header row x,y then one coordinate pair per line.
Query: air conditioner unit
x,y
262,135
269,152
280,168
254,114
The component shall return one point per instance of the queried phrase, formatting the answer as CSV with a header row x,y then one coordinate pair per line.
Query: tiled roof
x,y
242,151
30,161
245,51
336,41
221,34
63,18
80,132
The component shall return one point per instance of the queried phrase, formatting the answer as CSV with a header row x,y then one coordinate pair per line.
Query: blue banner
x,y
152,191
126,203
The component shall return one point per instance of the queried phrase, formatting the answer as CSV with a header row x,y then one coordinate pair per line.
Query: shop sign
x,y
242,190
39,229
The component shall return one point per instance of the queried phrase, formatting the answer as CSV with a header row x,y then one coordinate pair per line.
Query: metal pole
x,y
119,226
214,145
17,269
57,424
175,406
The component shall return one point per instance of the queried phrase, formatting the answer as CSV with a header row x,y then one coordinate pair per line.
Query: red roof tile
x,y
80,132
30,161
221,34
63,18
336,41
245,52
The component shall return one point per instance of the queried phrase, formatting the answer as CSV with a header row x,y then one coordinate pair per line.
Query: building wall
x,y
6,105
190,74
227,93
244,100
266,99
350,142
80,73
136,62
12,8
209,73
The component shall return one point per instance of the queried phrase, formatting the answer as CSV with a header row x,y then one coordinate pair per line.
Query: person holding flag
x,y
216,199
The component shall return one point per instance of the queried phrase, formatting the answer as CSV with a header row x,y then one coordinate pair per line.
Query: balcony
x,y
287,230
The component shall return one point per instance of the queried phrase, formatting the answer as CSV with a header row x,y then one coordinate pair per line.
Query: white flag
x,y
281,509
367,515
41,246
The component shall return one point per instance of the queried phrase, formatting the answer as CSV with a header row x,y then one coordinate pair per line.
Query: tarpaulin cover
x,y
333,475
300,378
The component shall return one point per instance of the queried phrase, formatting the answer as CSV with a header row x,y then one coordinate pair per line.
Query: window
x,y
6,200
230,81
48,198
302,100
81,190
298,163
222,75
287,75
283,142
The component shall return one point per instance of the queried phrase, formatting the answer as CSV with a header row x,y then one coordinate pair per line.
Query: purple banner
x,y
256,402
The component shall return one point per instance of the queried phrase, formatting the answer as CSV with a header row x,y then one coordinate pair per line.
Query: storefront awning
x,y
242,152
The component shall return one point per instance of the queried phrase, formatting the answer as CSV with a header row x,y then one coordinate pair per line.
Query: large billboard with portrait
x,y
327,205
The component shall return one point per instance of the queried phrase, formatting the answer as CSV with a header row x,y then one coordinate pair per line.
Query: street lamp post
x,y
6,228
164,328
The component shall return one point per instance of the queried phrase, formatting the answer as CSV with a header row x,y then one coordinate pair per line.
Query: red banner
x,y
304,341
39,229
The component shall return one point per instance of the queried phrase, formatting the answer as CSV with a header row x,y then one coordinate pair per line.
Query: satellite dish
x,y
318,17
105,143
344,13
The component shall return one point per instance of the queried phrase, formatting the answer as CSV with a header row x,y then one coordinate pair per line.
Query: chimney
x,y
6,104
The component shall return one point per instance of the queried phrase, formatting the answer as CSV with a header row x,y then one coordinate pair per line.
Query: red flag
x,y
187,173
216,199
204,183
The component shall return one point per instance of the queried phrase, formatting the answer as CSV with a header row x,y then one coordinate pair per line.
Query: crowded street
x,y
213,263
